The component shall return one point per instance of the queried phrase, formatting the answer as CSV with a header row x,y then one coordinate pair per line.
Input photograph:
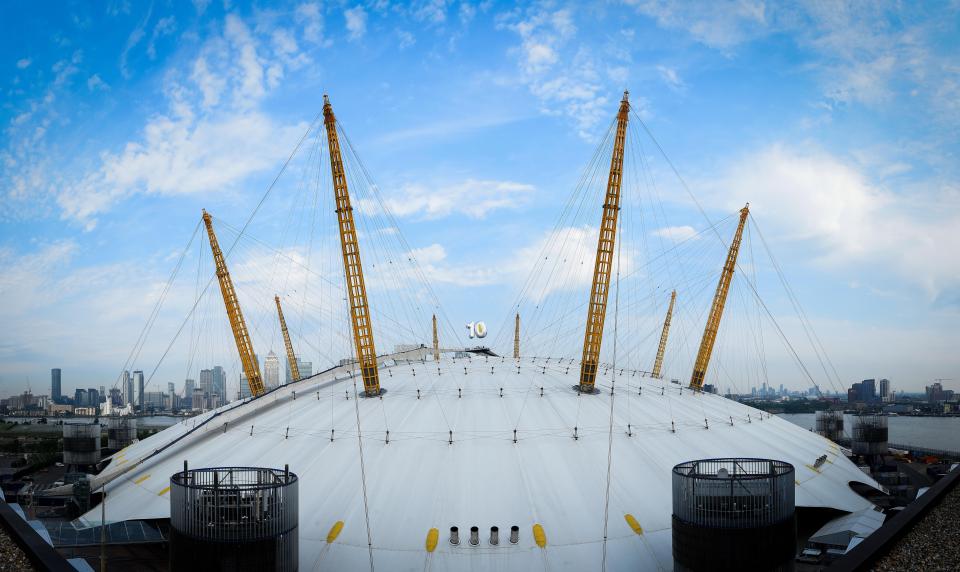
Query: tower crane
x,y
600,288
716,310
352,268
658,363
248,359
291,357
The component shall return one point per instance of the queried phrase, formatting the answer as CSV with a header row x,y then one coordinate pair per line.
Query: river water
x,y
929,432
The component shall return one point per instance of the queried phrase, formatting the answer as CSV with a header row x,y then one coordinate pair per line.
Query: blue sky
x,y
836,122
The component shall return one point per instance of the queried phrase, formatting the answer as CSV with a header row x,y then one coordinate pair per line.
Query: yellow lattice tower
x,y
658,363
291,357
716,310
436,340
600,288
251,369
352,268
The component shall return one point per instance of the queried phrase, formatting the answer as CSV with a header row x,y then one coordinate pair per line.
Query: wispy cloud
x,y
473,198
23,63
356,21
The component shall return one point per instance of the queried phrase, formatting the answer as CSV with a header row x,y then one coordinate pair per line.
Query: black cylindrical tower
x,y
233,519
830,425
869,435
733,514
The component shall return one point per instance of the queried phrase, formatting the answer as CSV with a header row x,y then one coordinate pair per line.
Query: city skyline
x,y
836,125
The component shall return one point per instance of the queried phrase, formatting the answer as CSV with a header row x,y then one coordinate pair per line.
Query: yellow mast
x,y
716,310
599,290
436,340
658,363
516,338
353,270
251,369
291,358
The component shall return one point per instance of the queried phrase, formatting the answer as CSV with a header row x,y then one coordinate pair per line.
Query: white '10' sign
x,y
477,329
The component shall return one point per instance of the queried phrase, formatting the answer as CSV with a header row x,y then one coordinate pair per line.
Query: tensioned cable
x,y
235,241
363,473
613,383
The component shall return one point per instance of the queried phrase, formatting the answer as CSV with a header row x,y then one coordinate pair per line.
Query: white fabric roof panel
x,y
418,481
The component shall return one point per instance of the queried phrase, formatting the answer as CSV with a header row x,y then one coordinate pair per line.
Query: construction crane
x,y
291,357
248,359
716,310
600,288
352,268
658,363
436,340
516,338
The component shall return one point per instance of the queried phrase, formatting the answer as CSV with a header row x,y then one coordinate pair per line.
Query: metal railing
x,y
733,493
234,504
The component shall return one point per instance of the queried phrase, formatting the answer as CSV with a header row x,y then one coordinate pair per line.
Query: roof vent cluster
x,y
493,539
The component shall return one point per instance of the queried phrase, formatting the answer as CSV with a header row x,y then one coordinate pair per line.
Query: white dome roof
x,y
420,481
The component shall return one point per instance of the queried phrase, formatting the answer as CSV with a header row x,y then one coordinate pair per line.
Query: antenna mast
x,y
600,289
291,357
352,269
248,359
716,310
658,363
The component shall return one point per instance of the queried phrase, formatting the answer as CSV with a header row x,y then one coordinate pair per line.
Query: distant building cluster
x,y
868,391
132,397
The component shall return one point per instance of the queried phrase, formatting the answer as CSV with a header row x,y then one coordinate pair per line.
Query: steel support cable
x,y
613,382
403,240
799,308
571,200
134,354
704,214
230,250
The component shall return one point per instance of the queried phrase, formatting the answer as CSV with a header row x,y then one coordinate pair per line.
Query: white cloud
x,y
132,40
356,19
473,198
406,39
676,233
811,196
94,83
23,63
567,77
670,76
165,27
212,137
721,24
309,16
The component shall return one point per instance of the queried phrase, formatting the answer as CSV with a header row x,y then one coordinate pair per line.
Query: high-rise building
x,y
188,387
219,382
55,388
80,398
93,397
206,380
271,371
126,386
885,394
869,390
305,367
138,384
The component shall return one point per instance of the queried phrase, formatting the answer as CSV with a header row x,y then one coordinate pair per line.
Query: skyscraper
x,y
305,367
126,386
885,390
138,383
219,383
206,381
271,371
55,388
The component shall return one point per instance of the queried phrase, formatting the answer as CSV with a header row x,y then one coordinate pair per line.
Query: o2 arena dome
x,y
556,456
